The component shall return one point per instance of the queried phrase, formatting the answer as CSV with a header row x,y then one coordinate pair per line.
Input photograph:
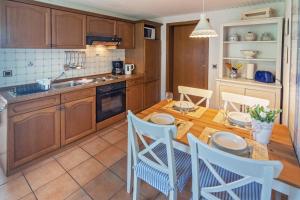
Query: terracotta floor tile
x,y
44,174
123,195
29,197
105,131
86,171
14,189
119,124
95,145
73,158
37,165
123,127
114,136
66,152
120,168
58,189
122,145
104,186
110,156
79,195
5,179
148,191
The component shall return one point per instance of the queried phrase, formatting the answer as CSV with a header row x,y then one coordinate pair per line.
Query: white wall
x,y
216,18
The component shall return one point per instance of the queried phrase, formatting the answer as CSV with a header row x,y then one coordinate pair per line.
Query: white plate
x,y
239,118
85,80
162,119
229,141
184,105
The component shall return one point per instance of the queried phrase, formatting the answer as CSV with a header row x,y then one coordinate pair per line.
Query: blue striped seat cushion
x,y
251,191
160,180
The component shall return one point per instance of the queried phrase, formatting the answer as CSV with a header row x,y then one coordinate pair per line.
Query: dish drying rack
x,y
74,60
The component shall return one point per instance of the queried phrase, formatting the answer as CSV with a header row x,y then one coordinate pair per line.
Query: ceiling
x,y
147,9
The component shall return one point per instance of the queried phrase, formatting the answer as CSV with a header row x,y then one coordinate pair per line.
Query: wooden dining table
x,y
280,147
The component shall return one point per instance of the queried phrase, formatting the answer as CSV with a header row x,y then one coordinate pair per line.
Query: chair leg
x,y
173,195
129,168
136,187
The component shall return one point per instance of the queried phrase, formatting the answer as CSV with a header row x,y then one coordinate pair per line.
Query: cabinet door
x,y
33,134
134,98
25,26
100,26
151,93
78,119
152,60
271,96
125,31
68,29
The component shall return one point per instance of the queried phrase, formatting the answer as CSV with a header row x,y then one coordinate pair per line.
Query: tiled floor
x,y
94,169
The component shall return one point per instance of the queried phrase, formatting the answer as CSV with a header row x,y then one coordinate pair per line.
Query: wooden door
x,y
125,30
25,26
100,26
68,29
78,119
134,98
32,135
151,93
152,60
189,59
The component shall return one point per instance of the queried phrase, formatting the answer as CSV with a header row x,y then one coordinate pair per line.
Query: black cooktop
x,y
26,89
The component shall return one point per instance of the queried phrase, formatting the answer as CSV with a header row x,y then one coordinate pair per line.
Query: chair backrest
x,y
185,91
138,129
251,170
245,101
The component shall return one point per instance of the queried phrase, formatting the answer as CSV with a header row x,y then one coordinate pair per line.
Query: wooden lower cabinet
x,y
134,98
151,93
33,134
78,119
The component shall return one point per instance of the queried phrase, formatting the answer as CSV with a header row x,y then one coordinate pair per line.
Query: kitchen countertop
x,y
7,98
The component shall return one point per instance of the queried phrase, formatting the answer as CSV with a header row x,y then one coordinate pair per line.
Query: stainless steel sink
x,y
66,84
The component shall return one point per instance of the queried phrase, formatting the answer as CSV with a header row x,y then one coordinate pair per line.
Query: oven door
x,y
110,104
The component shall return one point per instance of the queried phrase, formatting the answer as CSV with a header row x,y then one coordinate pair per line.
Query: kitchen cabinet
x,y
135,95
125,30
152,60
151,93
269,95
33,134
25,26
78,119
100,26
68,29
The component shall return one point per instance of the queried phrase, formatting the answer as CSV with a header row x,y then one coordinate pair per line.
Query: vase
x,y
262,131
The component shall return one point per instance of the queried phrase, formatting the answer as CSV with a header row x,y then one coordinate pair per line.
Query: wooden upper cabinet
x,y
100,26
68,29
152,60
125,30
78,119
25,26
33,134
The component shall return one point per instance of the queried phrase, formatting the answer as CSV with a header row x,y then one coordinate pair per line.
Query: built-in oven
x,y
110,100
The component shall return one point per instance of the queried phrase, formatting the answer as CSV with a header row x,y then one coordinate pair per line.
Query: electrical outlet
x,y
7,73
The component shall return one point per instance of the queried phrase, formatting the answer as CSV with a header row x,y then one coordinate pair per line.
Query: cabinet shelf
x,y
251,59
256,42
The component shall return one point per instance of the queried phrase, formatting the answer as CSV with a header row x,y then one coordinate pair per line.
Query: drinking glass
x,y
169,96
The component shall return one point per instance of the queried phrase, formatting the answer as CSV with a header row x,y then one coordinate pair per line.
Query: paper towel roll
x,y
250,71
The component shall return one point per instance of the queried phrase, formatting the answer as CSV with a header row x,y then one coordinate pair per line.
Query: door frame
x,y
169,50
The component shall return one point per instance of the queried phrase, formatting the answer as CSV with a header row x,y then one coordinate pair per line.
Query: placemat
x,y
259,151
221,119
183,126
197,113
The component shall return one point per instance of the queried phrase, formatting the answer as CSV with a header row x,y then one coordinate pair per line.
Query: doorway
x,y
187,58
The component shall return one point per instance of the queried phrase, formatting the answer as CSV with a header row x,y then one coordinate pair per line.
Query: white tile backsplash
x,y
27,65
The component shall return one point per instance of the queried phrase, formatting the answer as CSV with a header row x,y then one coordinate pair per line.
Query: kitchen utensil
x,y
250,36
239,118
266,36
249,53
250,71
234,37
162,119
264,76
129,68
229,142
184,106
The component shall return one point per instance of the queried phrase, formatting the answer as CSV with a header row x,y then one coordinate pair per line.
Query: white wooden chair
x,y
220,175
245,101
205,94
159,163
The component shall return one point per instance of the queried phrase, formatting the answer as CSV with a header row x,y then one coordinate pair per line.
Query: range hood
x,y
103,40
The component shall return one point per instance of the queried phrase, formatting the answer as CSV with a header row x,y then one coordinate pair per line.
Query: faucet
x,y
59,76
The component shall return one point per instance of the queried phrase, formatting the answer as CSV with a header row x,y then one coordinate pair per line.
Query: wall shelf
x,y
252,59
255,42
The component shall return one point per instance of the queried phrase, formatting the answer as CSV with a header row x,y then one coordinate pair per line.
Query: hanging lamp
x,y
203,29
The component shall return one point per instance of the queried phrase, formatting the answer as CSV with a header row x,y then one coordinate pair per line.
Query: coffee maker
x,y
117,67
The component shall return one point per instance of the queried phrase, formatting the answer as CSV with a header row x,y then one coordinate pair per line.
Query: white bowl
x,y
249,53
229,142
